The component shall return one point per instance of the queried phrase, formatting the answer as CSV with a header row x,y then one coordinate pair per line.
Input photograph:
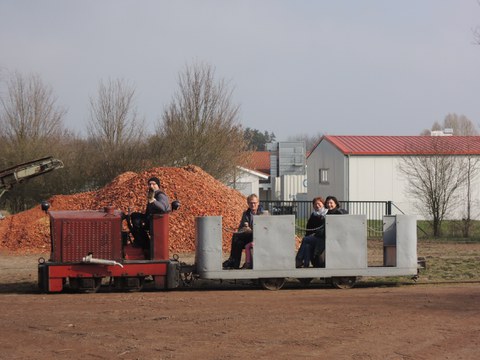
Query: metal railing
x,y
375,210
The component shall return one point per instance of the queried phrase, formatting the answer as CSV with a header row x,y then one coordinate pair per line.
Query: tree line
x,y
199,126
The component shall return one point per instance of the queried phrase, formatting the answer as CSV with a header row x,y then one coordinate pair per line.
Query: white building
x,y
276,174
287,170
248,181
366,168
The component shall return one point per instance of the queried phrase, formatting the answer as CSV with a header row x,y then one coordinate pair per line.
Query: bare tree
x,y
460,124
29,117
200,125
311,140
116,130
31,127
434,179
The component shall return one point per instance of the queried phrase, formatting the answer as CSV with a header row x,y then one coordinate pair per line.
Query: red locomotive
x,y
90,246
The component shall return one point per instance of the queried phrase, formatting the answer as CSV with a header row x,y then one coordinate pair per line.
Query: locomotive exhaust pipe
x,y
89,259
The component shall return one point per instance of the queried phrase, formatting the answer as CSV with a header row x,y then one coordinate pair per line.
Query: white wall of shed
x,y
377,178
288,187
246,184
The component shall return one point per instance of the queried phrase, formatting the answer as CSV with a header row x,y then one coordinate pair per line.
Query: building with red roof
x,y
366,168
261,162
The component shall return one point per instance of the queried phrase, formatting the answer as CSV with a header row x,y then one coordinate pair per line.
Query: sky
x,y
298,67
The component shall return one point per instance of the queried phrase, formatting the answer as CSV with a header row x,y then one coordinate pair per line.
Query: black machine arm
x,y
19,173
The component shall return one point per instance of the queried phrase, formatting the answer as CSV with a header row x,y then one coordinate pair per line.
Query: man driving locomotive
x,y
157,203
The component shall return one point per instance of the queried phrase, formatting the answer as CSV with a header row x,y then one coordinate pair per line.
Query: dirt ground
x,y
238,321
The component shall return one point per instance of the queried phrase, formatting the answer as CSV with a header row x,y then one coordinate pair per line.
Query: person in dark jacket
x,y
244,235
317,217
314,246
333,206
157,203
314,224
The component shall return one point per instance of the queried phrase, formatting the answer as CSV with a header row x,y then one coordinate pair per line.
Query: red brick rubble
x,y
198,192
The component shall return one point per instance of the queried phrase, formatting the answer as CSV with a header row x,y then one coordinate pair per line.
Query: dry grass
x,y
445,261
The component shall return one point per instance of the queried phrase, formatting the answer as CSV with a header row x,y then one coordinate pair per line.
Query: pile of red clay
x,y
198,192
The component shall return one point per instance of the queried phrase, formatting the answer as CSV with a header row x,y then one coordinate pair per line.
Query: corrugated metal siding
x,y
291,158
406,145
287,187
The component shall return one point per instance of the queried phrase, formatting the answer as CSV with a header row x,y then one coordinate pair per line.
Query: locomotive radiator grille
x,y
81,237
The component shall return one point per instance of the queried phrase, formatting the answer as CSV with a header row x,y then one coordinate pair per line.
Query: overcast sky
x,y
371,67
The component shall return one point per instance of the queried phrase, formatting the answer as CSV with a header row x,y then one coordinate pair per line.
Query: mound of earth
x,y
198,192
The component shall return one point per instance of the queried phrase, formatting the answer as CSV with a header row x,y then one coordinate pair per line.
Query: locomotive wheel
x,y
86,285
272,283
344,282
132,284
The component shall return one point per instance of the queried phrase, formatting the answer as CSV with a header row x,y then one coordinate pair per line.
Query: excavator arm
x,y
19,173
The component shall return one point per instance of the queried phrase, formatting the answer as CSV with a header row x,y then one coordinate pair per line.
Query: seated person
x,y
333,206
244,234
314,224
139,223
314,247
317,217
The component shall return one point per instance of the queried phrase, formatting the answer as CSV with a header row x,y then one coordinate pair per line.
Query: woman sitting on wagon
x,y
314,223
313,246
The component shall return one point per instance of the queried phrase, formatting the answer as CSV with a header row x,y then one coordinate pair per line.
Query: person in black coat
x,y
244,235
317,217
333,208
315,223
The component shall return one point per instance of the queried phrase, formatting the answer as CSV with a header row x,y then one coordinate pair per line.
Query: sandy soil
x,y
237,321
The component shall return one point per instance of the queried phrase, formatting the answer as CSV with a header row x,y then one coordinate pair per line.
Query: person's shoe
x,y
227,264
247,266
298,264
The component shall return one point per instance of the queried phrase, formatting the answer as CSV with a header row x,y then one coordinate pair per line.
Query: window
x,y
323,174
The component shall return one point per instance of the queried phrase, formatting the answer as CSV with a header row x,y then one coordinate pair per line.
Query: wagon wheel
x,y
344,282
305,281
272,283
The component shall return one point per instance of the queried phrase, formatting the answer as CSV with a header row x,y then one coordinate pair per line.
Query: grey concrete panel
x,y
274,242
406,241
346,242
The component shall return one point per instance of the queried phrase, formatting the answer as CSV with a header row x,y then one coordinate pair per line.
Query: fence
x,y
375,210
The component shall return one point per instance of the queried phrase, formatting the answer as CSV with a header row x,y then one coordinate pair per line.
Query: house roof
x,y
260,161
258,174
405,145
